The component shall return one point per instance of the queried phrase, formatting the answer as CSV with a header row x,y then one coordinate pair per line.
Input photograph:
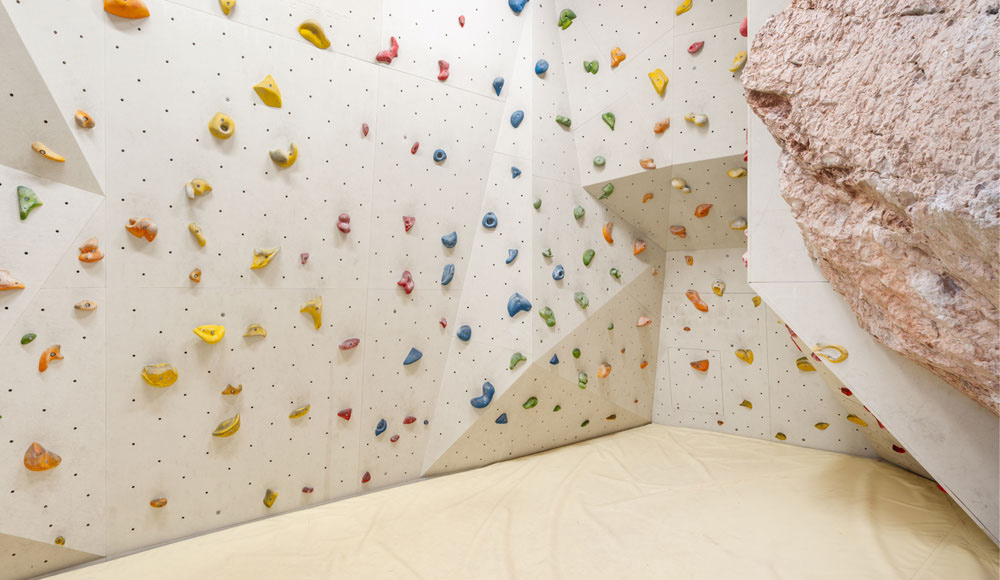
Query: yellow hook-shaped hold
x,y
255,330
738,61
197,187
737,172
299,412
159,375
683,7
841,352
228,427
285,158
44,151
210,333
804,365
315,309
313,32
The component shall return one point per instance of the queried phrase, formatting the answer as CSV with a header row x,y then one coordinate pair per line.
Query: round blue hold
x,y
516,117
541,66
517,5
464,333
449,240
490,220
558,273
439,155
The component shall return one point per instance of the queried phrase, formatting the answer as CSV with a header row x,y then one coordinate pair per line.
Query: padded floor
x,y
652,502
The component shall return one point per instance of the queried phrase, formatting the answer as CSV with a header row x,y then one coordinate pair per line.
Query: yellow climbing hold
x,y
227,6
268,92
841,352
746,404
222,126
680,184
683,7
285,158
780,436
255,330
228,427
313,32
299,412
314,308
269,496
159,375
745,355
821,426
195,230
857,420
718,287
738,61
699,119
659,80
804,365
197,187
756,301
210,333
737,173
262,257
41,149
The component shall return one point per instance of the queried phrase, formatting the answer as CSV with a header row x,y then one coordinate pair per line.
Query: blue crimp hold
x,y
380,428
502,419
413,357
554,360
514,172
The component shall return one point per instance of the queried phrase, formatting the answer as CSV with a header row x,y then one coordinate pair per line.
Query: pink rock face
x,y
443,67
390,53
406,282
408,222
890,167
344,223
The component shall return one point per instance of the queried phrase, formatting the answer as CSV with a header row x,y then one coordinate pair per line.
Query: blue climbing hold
x,y
554,360
558,273
502,419
464,333
511,256
541,66
483,401
517,5
380,428
439,155
498,85
426,422
490,220
413,357
514,172
517,303
516,117
448,275
449,240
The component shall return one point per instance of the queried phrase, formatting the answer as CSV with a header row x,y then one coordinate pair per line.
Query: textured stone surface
x,y
887,113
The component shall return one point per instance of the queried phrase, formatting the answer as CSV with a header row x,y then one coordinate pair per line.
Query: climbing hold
x,y
898,449
659,80
661,126
611,326
564,121
581,380
647,163
443,71
344,414
530,403
554,360
516,117
780,436
537,204
643,321
739,223
516,358
606,232
566,17
303,258
607,190
498,85
299,412
502,419
87,305
700,365
617,56
210,333
679,231
581,300
131,9
231,390
514,172
406,282
255,330
344,223
464,333
380,427
804,365
680,184
756,301
578,212
558,273
90,252
307,489
689,260
609,119
83,119
643,364
313,32
857,420
314,308
409,419
221,126
743,27
615,273
269,496
197,187
841,352
8,282
412,357
349,344
448,274
27,200
695,47
821,426
364,129
394,438
548,316
227,6
52,353
599,161
576,353
41,149
159,375
695,299
517,5
490,220
588,255
517,303
746,404
449,240
37,458
638,247
683,7
738,61
284,158
702,210
745,355
263,257
718,287
227,427
547,253
699,119
268,91
603,371
847,392
482,401
511,256
158,502
195,230
541,66
591,66
737,172
390,53
27,338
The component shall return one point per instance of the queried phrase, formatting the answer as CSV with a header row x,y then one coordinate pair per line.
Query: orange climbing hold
x,y
644,321
647,163
617,56
142,228
127,8
643,364
37,458
158,502
606,232
700,365
231,390
695,299
9,282
646,197
702,210
689,260
661,126
90,252
679,231
603,371
49,354
638,247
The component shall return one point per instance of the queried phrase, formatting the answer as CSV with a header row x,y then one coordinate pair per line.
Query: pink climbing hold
x,y
409,419
345,414
694,48
349,344
390,53
364,129
366,477
408,222
304,257
443,322
443,67
461,21
406,282
344,223
394,438
743,27
413,150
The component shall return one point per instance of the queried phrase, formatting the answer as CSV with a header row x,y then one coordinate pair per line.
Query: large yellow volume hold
x,y
159,375
313,32
268,92
44,151
210,333
314,308
659,80
228,427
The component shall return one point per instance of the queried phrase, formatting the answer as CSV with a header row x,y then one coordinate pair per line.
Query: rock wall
x,y
887,115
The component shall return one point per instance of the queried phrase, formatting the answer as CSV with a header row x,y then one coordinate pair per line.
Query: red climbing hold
x,y
349,343
409,420
304,257
344,223
694,48
345,414
444,322
846,391
394,438
307,489
366,477
408,222
461,21
390,53
364,129
413,150
941,488
443,67
743,27
406,282
898,449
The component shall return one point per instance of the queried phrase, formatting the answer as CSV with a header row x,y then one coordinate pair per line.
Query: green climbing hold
x,y
564,121
588,255
591,66
28,337
609,118
599,161
548,316
538,203
27,200
557,408
576,353
566,18
581,380
516,358
578,212
581,299
530,403
547,253
614,272
585,423
611,326
607,190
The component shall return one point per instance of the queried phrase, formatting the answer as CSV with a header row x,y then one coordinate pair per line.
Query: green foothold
x,y
516,358
614,272
611,326
547,253
530,403
588,255
537,204
599,161
576,353
578,212
28,337
609,118
27,200
585,423
556,409
607,191
581,380
566,18
581,299
548,316
564,121
591,66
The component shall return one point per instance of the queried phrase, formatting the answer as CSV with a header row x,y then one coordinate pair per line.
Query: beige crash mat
x,y
652,502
